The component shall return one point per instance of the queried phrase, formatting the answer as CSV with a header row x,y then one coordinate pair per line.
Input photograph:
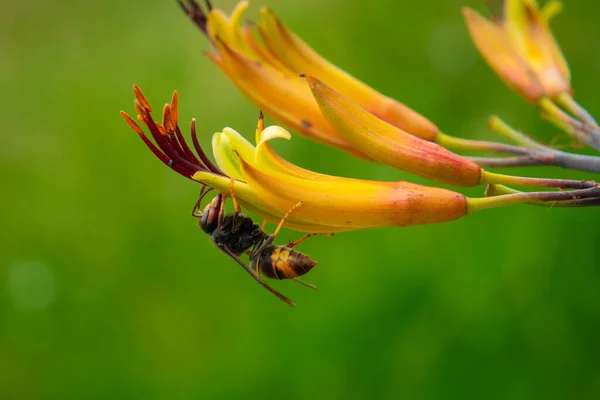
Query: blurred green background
x,y
108,289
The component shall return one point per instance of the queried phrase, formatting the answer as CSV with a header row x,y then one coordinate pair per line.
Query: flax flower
x,y
270,186
266,184
264,61
267,73
519,46
171,148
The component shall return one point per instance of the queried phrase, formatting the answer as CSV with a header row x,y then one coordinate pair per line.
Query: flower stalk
x,y
538,153
497,125
566,101
590,195
582,132
500,190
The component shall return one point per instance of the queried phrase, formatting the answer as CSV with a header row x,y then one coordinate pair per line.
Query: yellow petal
x,y
239,38
531,38
229,142
228,147
267,159
268,30
496,48
217,25
251,202
263,54
522,23
222,160
298,56
354,204
235,25
268,78
225,144
549,11
285,98
390,145
239,143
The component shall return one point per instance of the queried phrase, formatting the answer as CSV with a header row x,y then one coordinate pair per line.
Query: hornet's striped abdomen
x,y
280,262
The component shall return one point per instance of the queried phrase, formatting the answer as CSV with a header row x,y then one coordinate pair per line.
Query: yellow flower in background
x,y
268,74
520,48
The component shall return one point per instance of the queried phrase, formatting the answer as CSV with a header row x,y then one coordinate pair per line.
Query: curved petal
x,y
353,203
549,11
228,147
390,145
224,145
531,38
266,158
494,45
263,54
287,99
235,23
217,25
254,204
300,57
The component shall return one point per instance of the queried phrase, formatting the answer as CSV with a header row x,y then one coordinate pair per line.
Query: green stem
x,y
498,190
493,178
454,143
485,203
566,101
497,125
540,153
519,161
584,133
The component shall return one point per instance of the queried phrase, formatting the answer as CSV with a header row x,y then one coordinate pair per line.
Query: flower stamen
x,y
174,108
139,95
169,145
209,164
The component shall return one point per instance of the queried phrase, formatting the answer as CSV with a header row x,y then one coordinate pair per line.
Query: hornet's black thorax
x,y
238,233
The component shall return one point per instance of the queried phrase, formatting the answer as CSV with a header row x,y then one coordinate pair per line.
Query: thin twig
x,y
537,154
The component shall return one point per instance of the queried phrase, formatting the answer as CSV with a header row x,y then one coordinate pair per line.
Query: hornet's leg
x,y
196,211
256,277
309,285
297,242
269,240
221,211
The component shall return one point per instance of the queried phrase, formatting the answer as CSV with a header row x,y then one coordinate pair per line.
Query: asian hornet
x,y
236,234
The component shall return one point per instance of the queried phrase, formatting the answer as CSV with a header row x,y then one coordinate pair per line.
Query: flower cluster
x,y
520,48
301,90
518,45
269,186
